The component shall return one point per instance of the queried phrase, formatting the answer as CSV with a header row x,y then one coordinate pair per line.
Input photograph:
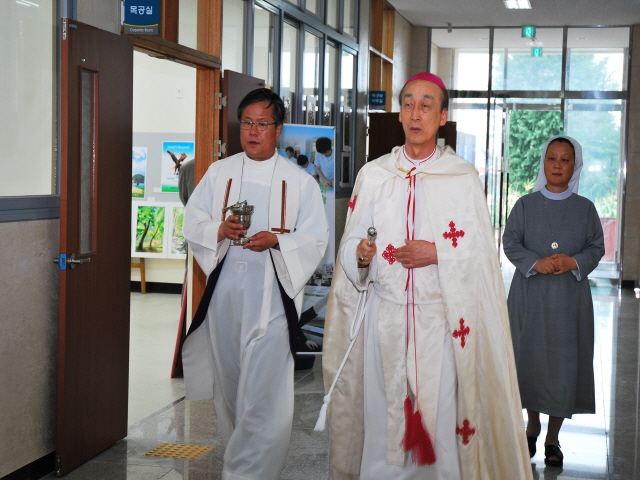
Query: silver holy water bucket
x,y
244,212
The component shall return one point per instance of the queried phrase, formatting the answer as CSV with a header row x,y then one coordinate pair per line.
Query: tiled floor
x,y
601,446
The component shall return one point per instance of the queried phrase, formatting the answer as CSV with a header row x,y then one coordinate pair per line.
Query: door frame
x,y
207,62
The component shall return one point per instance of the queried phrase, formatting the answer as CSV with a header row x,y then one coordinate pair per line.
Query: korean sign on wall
x,y
141,17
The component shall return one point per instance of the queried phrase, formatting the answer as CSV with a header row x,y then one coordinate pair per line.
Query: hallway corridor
x,y
601,446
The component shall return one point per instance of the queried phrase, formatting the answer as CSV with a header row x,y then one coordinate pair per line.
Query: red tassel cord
x,y
409,440
416,438
423,451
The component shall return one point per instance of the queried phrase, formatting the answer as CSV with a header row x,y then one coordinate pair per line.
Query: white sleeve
x,y
358,276
201,225
302,250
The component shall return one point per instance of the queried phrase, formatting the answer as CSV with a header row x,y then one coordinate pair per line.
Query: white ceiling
x,y
492,13
545,37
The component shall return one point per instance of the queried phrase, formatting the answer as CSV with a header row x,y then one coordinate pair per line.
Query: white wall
x,y
158,105
402,57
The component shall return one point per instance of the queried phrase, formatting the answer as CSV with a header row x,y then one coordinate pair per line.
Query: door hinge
x,y
219,101
64,29
58,465
219,148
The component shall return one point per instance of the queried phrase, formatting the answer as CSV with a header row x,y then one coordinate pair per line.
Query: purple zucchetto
x,y
429,77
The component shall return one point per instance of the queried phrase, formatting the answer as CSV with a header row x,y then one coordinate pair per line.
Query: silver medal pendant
x,y
554,245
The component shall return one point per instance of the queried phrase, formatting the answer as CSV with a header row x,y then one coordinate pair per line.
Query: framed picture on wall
x,y
148,238
174,154
177,244
138,172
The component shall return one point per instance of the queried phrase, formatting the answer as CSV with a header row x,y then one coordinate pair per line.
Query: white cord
x,y
356,322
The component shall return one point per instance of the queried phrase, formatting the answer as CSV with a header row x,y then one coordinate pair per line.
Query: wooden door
x,y
95,225
234,87
385,132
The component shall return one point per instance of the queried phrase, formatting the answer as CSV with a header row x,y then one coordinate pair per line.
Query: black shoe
x,y
553,456
531,442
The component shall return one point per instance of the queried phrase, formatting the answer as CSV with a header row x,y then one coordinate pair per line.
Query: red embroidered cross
x,y
463,332
453,234
390,254
465,432
352,203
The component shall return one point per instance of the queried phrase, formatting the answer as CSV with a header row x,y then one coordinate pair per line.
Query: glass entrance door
x,y
598,126
519,127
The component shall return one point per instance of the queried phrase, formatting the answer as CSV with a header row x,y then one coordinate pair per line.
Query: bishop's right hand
x,y
365,252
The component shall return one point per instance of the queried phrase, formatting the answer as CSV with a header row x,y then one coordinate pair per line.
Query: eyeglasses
x,y
262,126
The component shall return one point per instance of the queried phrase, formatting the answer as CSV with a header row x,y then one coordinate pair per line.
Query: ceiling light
x,y
27,3
517,3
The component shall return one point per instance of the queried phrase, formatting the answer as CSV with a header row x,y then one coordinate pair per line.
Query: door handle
x,y
62,261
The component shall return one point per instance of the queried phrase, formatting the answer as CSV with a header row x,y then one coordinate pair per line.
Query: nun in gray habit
x,y
554,239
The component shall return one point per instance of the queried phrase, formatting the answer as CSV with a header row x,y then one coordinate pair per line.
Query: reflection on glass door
x,y
597,125
495,168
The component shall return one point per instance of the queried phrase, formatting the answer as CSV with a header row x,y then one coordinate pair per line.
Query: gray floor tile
x,y
599,446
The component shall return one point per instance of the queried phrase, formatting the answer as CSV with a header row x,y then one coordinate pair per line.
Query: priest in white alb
x,y
418,362
240,346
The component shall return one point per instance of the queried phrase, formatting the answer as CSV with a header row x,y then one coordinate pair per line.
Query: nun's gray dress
x,y
551,315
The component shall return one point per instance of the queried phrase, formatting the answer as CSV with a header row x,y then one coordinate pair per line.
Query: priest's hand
x,y
417,253
365,252
261,241
231,229
545,266
563,263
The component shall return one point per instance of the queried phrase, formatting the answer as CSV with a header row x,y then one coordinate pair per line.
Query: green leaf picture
x,y
150,229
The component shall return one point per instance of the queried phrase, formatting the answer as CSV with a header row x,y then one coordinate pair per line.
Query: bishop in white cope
x,y
435,350
239,349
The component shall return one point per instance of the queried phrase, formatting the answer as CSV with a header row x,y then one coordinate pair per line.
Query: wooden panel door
x,y
95,225
385,132
234,87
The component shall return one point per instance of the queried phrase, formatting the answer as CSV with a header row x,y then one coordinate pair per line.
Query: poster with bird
x,y
174,155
